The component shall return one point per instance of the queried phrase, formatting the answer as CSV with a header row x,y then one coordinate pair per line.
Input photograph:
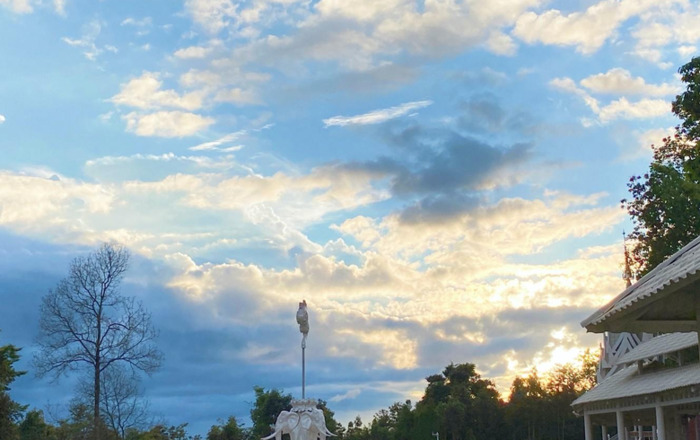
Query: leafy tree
x,y
230,430
329,417
356,430
526,410
459,405
687,105
87,323
268,405
665,201
10,411
541,408
162,432
33,427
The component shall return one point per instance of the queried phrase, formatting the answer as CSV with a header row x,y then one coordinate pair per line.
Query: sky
x,y
440,180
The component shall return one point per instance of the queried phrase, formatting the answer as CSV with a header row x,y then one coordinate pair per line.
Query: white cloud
x,y
620,81
624,109
687,51
2,119
165,157
193,52
212,15
214,145
501,44
237,95
131,21
60,6
645,140
88,41
468,270
376,116
587,30
42,202
145,92
166,123
568,85
364,34
18,6
350,394
621,108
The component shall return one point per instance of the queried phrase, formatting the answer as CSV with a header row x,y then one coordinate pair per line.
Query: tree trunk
x,y
96,408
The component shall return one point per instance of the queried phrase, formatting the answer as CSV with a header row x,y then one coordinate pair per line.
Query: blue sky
x,y
440,180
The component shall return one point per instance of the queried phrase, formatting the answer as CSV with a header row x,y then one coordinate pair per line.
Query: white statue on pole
x,y
305,421
303,321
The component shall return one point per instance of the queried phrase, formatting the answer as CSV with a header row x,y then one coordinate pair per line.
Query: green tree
x,y
86,323
161,432
329,417
541,408
268,405
230,430
459,405
10,411
33,427
525,412
356,430
665,201
687,105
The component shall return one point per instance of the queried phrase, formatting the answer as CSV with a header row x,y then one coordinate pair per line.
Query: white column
x,y
587,427
604,432
621,433
660,425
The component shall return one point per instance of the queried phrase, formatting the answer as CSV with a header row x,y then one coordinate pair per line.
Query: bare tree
x,y
122,405
86,324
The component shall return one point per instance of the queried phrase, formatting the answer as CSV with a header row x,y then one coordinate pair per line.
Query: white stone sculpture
x,y
303,321
304,422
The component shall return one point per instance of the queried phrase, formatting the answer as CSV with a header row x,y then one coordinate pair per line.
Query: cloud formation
x,y
618,82
166,123
376,116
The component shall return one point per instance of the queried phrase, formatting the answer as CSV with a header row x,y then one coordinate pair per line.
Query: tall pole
x,y
303,321
303,368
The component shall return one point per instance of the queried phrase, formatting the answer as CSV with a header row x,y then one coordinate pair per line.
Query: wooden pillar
x,y
621,432
660,424
587,426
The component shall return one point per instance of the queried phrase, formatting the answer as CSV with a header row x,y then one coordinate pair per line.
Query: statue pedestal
x,y
303,422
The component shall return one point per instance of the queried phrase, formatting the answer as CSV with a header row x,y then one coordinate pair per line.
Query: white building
x,y
653,390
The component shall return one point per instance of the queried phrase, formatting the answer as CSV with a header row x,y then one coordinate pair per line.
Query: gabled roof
x,y
678,271
628,382
662,344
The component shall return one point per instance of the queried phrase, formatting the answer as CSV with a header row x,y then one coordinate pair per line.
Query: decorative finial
x,y
303,321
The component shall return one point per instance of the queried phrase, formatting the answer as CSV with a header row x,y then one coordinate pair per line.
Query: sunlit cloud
x,y
166,123
621,82
586,30
376,116
145,92
18,6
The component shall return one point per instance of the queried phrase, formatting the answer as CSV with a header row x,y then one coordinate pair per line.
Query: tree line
x,y
458,404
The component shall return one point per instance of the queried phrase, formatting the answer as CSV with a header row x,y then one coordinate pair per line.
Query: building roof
x,y
629,311
662,344
628,383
